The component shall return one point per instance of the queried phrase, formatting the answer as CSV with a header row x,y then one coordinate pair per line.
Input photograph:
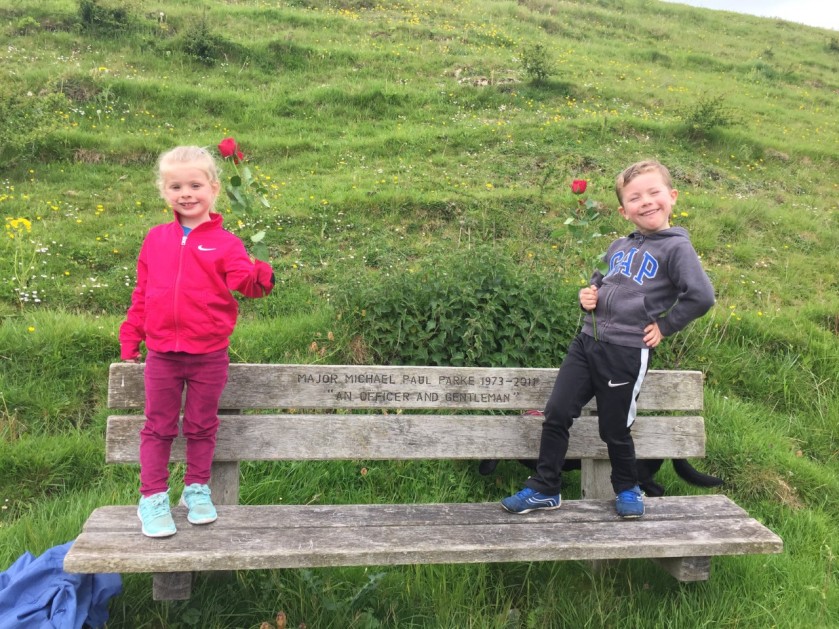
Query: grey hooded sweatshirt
x,y
657,277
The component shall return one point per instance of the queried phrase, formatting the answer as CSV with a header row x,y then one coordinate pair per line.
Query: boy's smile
x,y
648,202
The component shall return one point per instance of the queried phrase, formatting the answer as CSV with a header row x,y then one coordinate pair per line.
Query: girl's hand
x,y
652,335
588,298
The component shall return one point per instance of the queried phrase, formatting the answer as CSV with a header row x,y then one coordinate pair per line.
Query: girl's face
x,y
189,192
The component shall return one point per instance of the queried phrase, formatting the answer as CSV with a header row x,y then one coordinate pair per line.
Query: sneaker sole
x,y
630,516
522,512
204,521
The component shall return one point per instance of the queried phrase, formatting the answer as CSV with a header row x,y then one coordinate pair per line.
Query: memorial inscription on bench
x,y
278,386
420,386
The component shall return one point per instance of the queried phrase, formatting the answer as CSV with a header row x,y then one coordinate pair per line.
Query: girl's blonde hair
x,y
180,155
639,168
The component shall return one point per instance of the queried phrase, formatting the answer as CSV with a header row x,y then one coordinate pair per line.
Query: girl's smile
x,y
189,192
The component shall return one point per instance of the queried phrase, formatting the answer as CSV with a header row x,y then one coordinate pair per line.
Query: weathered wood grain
x,y
401,436
686,568
295,536
253,386
679,533
172,586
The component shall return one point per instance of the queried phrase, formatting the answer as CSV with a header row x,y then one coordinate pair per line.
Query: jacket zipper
x,y
608,305
175,306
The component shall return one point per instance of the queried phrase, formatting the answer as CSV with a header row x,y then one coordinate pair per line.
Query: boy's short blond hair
x,y
200,157
639,168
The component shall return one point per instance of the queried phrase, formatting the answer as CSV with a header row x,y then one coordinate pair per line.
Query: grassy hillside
x,y
419,153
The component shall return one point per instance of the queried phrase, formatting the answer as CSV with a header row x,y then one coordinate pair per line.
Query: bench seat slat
x,y
261,538
274,386
113,518
342,436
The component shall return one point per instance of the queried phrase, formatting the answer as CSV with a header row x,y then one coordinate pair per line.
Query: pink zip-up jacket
x,y
183,301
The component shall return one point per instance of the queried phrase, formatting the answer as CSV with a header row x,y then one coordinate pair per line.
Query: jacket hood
x,y
670,232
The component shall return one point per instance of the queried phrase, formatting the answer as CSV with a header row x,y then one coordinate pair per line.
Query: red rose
x,y
228,148
578,186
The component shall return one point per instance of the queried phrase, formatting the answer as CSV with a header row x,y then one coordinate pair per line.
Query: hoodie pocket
x,y
624,309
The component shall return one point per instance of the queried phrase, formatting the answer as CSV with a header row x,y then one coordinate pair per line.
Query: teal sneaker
x,y
155,515
630,503
196,498
528,500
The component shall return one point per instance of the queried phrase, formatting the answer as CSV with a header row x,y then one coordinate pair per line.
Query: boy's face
x,y
188,190
648,202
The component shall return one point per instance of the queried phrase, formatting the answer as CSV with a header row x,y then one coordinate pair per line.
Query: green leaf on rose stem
x,y
236,181
257,237
577,231
569,220
247,176
240,200
260,251
264,201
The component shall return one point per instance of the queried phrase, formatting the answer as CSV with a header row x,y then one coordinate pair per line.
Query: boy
x,y
654,287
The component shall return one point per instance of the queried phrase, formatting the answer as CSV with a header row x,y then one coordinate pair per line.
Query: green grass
x,y
399,137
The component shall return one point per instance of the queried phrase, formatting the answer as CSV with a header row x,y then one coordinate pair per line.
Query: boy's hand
x,y
652,335
588,298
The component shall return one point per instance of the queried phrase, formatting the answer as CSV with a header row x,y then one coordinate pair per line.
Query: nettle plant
x,y
469,308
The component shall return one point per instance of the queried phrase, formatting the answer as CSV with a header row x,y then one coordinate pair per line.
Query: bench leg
x,y
224,482
596,484
687,568
171,586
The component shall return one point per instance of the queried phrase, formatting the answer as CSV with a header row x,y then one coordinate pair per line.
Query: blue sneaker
x,y
630,503
528,500
196,498
155,515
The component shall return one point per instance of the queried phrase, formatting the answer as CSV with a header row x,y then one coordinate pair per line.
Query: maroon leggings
x,y
166,373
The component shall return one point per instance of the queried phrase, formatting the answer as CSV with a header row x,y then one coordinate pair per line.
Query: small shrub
x,y
536,63
105,15
708,114
26,25
203,45
471,308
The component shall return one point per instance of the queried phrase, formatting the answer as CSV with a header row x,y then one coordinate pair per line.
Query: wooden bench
x,y
476,415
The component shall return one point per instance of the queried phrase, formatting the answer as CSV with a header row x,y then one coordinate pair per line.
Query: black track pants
x,y
612,374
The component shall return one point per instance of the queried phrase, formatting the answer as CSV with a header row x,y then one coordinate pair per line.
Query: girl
x,y
183,309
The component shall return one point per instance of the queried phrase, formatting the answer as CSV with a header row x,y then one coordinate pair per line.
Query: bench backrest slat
x,y
401,436
373,387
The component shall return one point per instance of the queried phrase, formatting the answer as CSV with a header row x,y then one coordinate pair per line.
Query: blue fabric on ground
x,y
36,592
